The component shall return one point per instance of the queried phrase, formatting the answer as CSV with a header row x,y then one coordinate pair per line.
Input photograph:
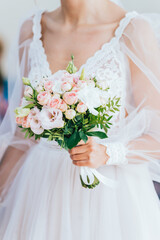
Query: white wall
x,y
11,11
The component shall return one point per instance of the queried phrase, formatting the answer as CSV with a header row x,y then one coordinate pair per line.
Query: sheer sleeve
x,y
12,143
138,140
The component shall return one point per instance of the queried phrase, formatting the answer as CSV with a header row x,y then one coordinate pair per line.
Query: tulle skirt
x,y
47,202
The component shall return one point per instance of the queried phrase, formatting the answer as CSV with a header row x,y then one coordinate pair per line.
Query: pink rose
x,y
81,107
54,102
70,114
70,97
63,106
51,118
48,85
66,86
26,122
43,98
19,120
75,89
28,91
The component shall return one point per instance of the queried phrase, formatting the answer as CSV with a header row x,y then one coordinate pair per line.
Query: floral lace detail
x,y
38,60
117,153
107,64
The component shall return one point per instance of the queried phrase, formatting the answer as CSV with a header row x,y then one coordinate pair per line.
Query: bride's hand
x,y
90,154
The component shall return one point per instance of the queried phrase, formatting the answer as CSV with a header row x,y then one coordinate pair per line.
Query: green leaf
x,y
99,134
30,105
83,136
29,99
108,119
31,134
73,140
116,109
27,133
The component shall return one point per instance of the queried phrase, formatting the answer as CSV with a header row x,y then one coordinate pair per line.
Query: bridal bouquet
x,y
67,109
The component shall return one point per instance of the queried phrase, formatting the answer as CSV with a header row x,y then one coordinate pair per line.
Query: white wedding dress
x,y
46,200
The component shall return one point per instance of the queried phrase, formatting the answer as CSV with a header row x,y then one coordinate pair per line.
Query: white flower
x,y
91,98
51,118
35,123
28,91
102,84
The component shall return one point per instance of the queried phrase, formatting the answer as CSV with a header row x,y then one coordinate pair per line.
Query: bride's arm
x,y
139,138
11,155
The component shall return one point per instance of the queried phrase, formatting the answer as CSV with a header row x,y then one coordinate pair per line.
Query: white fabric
x,y
117,153
44,199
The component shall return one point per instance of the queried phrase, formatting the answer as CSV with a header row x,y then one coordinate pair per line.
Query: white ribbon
x,y
89,173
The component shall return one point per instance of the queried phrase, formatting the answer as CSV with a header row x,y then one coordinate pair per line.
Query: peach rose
x,y
70,98
81,107
63,106
70,114
43,98
19,120
54,102
48,85
26,122
66,86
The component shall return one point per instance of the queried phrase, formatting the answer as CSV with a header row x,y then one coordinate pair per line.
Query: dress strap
x,y
37,29
124,23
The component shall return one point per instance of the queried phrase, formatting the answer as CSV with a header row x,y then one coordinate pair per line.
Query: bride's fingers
x,y
84,163
80,149
80,157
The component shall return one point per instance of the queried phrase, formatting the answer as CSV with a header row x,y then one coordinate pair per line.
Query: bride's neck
x,y
82,11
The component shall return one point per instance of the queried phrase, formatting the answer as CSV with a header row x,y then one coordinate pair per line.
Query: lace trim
x,y
124,23
117,154
37,31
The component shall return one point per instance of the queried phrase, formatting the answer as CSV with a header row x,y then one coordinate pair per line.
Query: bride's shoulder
x,y
138,24
26,30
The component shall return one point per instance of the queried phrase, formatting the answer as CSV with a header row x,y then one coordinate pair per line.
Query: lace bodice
x,y
107,64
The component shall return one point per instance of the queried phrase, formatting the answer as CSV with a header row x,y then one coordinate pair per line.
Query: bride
x,y
41,195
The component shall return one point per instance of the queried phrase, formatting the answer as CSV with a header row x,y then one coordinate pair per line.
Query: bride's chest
x,y
109,65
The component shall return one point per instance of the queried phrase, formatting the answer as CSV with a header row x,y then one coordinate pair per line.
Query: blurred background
x,y
11,13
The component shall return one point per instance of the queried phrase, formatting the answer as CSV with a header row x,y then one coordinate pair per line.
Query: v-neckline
x,y
101,49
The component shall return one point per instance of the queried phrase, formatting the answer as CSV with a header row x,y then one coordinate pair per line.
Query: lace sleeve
x,y
139,133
